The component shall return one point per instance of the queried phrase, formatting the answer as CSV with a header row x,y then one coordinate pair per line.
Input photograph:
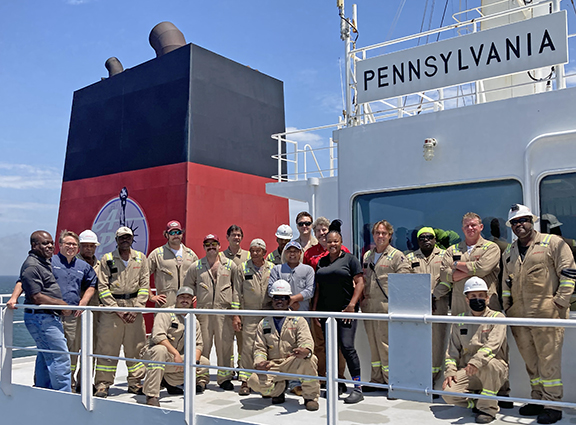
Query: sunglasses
x,y
304,223
425,237
209,244
281,297
175,232
516,221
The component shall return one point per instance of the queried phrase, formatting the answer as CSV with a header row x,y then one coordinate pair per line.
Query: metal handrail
x,y
331,377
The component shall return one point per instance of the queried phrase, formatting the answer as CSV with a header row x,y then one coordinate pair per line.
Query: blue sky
x,y
50,48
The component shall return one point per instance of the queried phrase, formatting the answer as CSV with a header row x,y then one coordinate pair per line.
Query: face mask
x,y
478,304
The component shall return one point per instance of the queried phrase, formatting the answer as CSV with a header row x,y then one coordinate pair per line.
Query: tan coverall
x,y
169,326
530,288
376,301
121,286
421,264
169,271
277,348
73,329
484,346
215,293
483,261
238,258
274,257
251,293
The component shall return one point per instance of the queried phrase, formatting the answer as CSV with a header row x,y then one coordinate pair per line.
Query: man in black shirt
x,y
40,288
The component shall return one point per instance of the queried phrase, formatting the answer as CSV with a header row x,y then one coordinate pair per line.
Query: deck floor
x,y
375,409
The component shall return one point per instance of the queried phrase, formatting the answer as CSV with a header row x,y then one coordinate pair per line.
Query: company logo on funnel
x,y
116,213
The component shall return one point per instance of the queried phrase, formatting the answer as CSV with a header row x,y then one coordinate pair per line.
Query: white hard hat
x,y
551,218
284,232
519,210
475,284
88,236
280,287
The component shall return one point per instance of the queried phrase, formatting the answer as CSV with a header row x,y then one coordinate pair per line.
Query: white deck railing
x,y
86,353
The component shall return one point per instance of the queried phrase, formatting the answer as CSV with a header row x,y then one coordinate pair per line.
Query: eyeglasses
x,y
425,237
209,244
70,244
516,221
304,223
175,232
281,297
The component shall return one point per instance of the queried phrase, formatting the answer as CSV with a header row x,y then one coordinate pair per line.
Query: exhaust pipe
x,y
114,66
165,37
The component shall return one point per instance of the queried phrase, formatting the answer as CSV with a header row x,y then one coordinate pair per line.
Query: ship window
x,y
439,207
558,207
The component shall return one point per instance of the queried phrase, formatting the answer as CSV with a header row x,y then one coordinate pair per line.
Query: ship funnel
x,y
114,66
165,37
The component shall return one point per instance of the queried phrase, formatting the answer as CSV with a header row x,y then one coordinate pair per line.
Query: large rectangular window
x,y
439,207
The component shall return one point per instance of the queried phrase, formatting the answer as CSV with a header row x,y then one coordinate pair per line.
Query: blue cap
x,y
293,243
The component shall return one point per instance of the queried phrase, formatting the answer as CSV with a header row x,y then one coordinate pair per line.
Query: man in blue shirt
x,y
300,276
77,281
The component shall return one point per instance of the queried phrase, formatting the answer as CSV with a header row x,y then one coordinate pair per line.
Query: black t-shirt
x,y
336,281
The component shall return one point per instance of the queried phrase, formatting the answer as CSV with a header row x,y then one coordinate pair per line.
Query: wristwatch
x,y
309,354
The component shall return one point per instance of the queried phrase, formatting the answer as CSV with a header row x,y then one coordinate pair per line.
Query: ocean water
x,y
21,336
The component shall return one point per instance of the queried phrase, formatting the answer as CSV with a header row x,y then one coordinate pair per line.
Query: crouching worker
x,y
477,355
284,344
167,345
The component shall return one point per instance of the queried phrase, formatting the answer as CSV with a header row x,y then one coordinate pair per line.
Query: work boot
x,y
244,389
505,404
200,388
354,397
227,386
342,388
279,400
370,389
549,416
152,401
101,392
172,390
484,418
311,405
531,409
135,389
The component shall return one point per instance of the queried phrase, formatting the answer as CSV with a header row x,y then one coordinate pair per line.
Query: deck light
x,y
429,146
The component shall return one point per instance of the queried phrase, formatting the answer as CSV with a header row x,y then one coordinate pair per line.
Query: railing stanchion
x,y
190,369
86,359
7,329
331,372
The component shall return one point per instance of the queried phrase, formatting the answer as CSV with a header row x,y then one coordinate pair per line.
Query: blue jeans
x,y
52,370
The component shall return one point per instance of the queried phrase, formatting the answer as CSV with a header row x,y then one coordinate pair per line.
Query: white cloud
x,y
23,176
77,2
312,138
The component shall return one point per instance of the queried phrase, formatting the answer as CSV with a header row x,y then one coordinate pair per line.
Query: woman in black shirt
x,y
339,284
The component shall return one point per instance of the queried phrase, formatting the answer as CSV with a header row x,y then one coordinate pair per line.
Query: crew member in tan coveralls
x,y
123,281
234,252
532,286
428,259
377,264
212,278
474,256
169,264
251,293
284,344
167,345
477,356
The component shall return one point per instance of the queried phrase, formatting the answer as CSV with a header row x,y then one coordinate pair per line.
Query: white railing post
x,y
279,158
331,371
86,359
190,368
7,329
